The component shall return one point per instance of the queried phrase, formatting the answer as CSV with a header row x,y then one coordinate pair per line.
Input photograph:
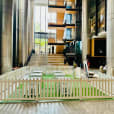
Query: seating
x,y
88,74
59,73
36,74
37,71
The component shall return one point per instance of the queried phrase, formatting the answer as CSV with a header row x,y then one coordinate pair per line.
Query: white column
x,y
30,26
26,40
110,36
1,35
84,30
21,31
7,36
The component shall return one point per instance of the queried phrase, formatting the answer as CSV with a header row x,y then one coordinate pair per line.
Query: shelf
x,y
56,9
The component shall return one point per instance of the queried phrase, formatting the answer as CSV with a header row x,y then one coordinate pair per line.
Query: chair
x,y
88,74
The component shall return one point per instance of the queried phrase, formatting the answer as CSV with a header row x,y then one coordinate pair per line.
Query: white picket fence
x,y
55,89
13,86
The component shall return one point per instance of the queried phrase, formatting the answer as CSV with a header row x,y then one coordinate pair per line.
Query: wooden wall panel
x,y
59,35
89,50
59,49
60,2
60,18
51,40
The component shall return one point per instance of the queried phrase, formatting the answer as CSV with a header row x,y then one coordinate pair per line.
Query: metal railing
x,y
52,35
41,35
60,21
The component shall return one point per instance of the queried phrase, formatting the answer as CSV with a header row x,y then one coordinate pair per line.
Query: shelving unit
x,y
68,14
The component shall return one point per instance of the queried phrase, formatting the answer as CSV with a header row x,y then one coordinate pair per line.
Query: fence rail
x,y
55,89
13,85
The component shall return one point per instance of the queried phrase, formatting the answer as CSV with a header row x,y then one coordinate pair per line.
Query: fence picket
x,y
12,89
99,87
30,89
70,88
102,86
108,87
111,87
47,88
57,88
93,87
90,89
84,88
73,88
19,91
8,88
87,88
5,89
64,87
44,88
52,89
37,87
40,88
105,87
96,87
1,89
15,88
77,85
33,88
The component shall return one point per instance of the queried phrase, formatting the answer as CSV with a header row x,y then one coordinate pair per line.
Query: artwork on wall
x,y
101,20
97,17
92,23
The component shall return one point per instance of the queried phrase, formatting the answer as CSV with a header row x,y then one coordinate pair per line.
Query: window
x,y
68,18
41,19
68,33
52,34
52,17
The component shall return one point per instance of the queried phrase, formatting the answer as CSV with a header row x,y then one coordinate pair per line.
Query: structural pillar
x,y
23,37
0,35
110,37
84,30
7,36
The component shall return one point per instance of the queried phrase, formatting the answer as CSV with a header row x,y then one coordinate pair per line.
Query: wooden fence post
x,y
80,95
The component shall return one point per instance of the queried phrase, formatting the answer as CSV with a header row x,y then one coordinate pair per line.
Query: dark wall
x,y
15,33
100,47
14,36
0,34
78,20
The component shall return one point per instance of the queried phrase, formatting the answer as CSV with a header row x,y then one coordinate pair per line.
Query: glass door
x,y
41,43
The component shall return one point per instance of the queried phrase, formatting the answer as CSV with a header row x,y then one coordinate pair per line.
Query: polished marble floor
x,y
66,107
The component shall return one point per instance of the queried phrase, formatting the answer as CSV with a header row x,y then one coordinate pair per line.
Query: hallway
x,y
55,59
37,60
